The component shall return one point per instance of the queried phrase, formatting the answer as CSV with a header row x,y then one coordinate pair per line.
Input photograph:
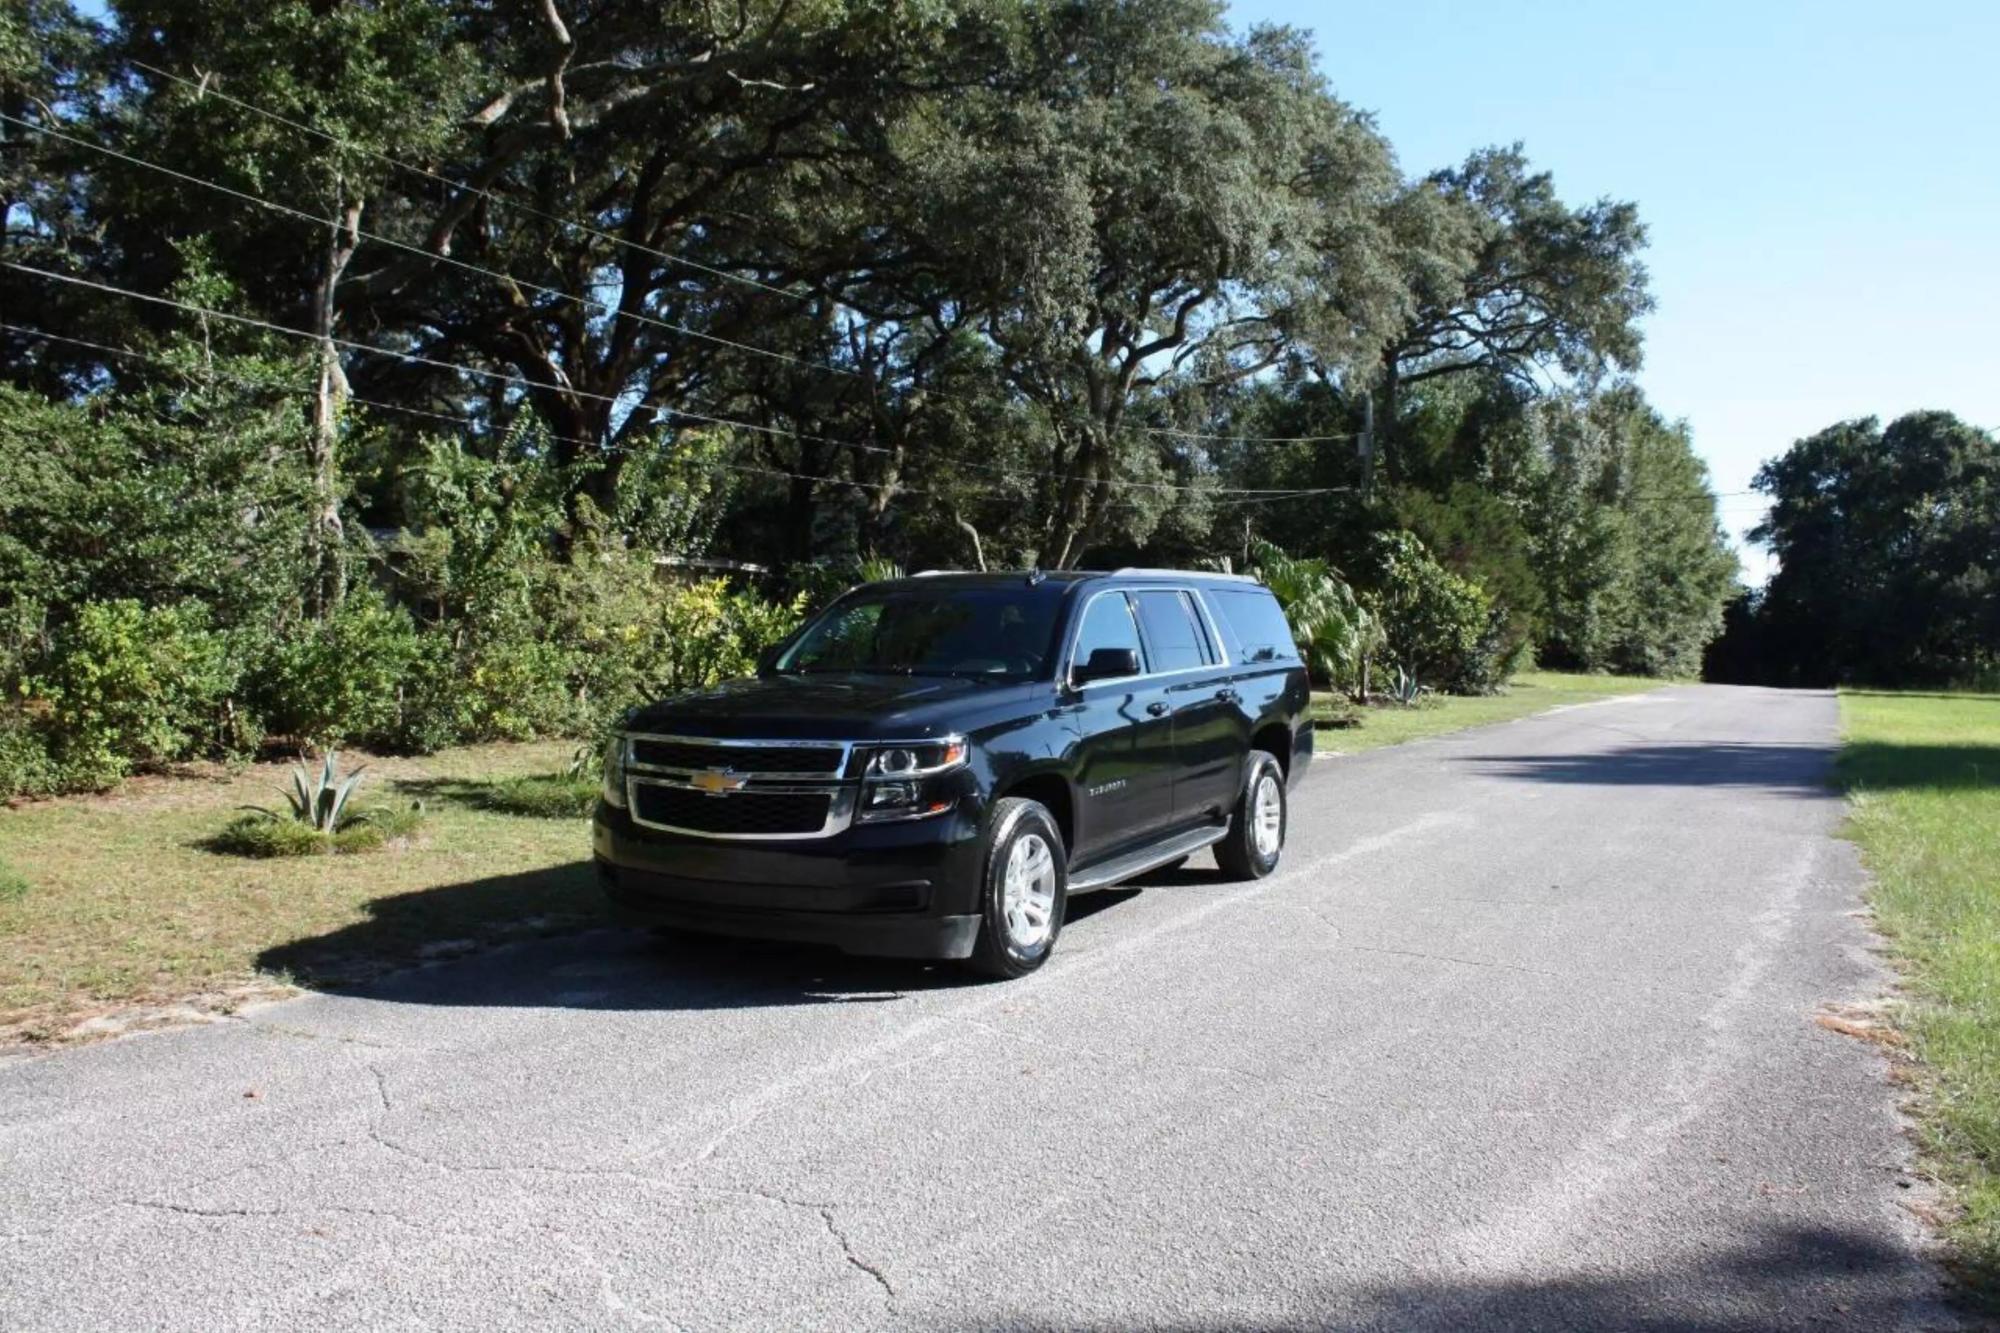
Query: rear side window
x,y
1172,631
1251,618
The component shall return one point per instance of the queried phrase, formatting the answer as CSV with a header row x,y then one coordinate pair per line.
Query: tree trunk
x,y
978,548
326,534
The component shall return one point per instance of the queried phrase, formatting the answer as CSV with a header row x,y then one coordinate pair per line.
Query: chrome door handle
x,y
1157,709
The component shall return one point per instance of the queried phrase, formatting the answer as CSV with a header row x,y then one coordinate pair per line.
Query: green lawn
x,y
1924,772
124,905
1528,693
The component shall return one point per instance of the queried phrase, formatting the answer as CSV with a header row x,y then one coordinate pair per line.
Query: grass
x,y
1924,774
13,884
1345,729
543,796
129,906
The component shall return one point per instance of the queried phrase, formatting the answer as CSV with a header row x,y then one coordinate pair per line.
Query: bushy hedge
x,y
126,688
154,601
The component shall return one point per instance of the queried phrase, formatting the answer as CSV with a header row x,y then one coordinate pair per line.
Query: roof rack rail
x,y
1185,573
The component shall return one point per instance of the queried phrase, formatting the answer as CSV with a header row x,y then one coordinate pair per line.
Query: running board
x,y
1147,858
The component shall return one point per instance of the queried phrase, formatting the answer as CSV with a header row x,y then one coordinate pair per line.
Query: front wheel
x,y
1025,891
1256,836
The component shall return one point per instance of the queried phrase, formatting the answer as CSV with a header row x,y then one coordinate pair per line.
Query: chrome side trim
x,y
1122,868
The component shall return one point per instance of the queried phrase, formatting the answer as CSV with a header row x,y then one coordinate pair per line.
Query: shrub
x,y
1337,635
543,796
26,766
340,679
1432,618
127,686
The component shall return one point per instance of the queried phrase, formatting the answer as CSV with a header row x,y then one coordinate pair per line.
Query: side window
x,y
1256,623
1172,631
1107,623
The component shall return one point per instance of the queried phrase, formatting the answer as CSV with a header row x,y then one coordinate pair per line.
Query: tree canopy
x,y
802,283
1888,548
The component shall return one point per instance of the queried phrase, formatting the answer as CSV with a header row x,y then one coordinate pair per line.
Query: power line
x,y
1213,493
203,89
422,252
467,265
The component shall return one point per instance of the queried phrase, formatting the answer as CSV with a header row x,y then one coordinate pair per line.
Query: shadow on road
x,y
1789,1277
1805,770
565,953
1800,769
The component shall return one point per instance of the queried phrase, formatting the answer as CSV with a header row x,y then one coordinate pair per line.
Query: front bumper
x,y
904,890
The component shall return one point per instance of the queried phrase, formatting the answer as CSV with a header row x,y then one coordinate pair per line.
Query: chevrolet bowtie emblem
x,y
715,783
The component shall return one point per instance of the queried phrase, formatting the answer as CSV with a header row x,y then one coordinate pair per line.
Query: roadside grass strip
x,y
1343,728
1923,771
126,902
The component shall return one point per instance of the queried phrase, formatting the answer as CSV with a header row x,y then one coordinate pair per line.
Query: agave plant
x,y
1406,691
878,569
320,800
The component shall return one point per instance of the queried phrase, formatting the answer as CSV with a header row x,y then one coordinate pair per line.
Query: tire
x,y
1243,853
1018,929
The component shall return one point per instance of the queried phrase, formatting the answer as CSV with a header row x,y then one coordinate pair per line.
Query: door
x,y
1125,743
1211,729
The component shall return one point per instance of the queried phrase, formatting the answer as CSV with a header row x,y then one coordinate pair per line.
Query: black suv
x,y
929,767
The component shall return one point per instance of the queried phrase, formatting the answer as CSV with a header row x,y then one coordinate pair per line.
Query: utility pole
x,y
1367,444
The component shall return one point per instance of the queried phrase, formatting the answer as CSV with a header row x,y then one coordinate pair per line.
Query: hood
x,y
834,707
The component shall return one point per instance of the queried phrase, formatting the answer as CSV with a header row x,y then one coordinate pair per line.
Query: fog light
x,y
891,795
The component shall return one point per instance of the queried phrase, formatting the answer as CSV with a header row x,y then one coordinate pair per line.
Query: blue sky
x,y
1821,182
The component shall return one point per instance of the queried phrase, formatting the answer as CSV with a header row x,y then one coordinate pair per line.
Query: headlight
x,y
917,760
900,781
614,774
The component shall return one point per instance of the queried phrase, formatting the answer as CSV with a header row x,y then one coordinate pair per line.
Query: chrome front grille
x,y
707,787
749,813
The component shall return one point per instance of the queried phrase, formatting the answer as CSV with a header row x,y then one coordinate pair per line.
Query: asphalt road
x,y
1520,1036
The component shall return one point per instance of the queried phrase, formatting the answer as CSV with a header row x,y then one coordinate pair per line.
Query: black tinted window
x,y
1256,624
1172,632
1107,623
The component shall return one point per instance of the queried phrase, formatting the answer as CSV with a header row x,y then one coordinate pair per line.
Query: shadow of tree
x,y
1879,766
1799,768
1788,1277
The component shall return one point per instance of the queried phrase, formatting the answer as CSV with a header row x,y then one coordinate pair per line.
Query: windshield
x,y
989,632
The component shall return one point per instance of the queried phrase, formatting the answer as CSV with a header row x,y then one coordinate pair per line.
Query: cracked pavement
x,y
1520,1036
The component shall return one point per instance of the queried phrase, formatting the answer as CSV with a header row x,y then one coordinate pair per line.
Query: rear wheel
x,y
1025,891
1256,837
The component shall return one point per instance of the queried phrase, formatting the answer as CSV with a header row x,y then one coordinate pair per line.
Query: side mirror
x,y
767,661
1107,664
